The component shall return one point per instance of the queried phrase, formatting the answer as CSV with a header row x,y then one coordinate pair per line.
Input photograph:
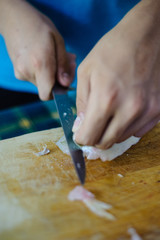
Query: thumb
x,y
78,122
65,63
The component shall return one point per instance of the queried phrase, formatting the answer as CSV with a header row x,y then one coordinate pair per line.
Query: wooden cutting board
x,y
33,191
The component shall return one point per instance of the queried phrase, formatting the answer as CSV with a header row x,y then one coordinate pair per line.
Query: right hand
x,y
118,92
37,49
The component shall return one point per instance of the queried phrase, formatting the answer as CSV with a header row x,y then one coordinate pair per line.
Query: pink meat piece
x,y
97,207
80,193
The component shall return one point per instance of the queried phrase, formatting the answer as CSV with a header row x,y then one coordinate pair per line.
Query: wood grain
x,y
33,191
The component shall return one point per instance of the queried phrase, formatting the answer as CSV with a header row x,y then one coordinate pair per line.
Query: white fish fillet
x,y
93,153
97,207
43,152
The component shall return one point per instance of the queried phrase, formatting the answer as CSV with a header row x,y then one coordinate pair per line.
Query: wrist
x,y
141,24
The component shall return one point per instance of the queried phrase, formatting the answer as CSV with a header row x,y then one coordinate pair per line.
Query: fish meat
x,y
62,144
80,193
120,175
43,152
134,234
97,207
116,150
93,153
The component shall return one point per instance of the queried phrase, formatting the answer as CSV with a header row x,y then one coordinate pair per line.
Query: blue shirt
x,y
81,23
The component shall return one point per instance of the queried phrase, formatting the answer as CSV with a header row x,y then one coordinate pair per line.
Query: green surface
x,y
29,118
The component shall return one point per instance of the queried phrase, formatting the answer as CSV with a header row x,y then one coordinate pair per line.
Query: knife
x,y
60,95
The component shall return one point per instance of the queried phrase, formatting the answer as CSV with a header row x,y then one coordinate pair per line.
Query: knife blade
x,y
64,110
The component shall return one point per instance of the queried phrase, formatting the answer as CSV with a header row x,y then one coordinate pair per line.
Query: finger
x,y
72,64
45,78
120,123
148,116
82,98
78,121
147,127
99,110
65,63
83,89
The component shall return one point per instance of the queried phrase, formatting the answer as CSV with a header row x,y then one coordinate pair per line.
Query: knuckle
x,y
112,96
20,70
43,57
37,62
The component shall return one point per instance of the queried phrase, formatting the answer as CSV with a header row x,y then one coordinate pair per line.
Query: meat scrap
x,y
43,152
120,175
88,198
134,234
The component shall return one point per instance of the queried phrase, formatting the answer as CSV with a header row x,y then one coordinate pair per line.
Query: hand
x,y
118,93
36,48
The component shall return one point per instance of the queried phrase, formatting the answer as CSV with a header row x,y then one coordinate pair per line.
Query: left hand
x,y
118,93
35,46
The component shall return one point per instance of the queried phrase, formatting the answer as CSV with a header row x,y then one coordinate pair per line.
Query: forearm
x,y
150,10
6,13
151,7
141,27
11,13
146,13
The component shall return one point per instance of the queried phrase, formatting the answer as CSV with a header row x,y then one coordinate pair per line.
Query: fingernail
x,y
75,137
109,145
78,122
66,78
